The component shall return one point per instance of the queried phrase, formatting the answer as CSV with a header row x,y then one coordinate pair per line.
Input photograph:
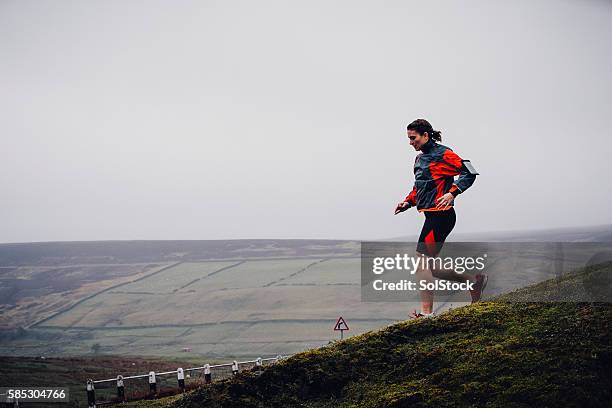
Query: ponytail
x,y
436,135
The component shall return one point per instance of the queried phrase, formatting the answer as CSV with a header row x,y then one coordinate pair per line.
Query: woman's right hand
x,y
401,207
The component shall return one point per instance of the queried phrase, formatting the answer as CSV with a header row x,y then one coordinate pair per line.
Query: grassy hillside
x,y
499,354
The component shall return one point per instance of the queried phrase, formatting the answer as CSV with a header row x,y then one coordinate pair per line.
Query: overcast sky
x,y
281,119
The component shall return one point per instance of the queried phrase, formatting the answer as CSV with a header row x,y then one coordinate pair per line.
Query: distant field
x,y
331,272
174,279
228,308
31,293
212,292
219,299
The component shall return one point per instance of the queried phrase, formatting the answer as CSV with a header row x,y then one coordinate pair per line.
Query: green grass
x,y
501,353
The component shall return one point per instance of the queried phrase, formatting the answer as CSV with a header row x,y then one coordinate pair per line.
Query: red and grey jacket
x,y
434,172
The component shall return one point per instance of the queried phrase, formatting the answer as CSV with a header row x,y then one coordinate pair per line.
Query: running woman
x,y
433,194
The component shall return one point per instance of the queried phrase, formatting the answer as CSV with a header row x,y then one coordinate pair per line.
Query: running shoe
x,y
416,315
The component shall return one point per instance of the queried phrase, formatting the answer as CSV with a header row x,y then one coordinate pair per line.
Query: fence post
x,y
235,367
207,375
120,389
181,379
258,363
91,394
152,384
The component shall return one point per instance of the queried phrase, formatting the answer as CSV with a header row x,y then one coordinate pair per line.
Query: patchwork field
x,y
217,299
223,308
31,293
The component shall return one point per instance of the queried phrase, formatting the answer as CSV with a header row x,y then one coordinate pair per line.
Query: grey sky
x,y
227,119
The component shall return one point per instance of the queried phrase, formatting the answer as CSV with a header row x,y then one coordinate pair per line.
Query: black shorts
x,y
438,224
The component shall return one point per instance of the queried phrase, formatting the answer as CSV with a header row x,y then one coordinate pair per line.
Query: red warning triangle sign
x,y
341,324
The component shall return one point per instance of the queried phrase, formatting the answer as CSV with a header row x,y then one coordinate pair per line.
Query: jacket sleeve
x,y
456,167
411,198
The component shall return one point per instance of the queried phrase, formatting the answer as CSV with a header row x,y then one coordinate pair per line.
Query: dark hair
x,y
421,126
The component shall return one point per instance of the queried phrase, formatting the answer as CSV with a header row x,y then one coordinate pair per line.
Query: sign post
x,y
341,326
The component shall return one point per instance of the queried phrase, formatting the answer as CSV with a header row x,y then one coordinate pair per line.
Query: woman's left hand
x,y
445,201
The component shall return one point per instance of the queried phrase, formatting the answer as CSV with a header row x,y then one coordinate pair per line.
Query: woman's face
x,y
417,140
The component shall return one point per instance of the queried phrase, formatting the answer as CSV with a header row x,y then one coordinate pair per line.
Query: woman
x,y
434,192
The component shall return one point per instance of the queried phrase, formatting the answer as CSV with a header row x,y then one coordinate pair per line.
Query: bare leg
x,y
423,273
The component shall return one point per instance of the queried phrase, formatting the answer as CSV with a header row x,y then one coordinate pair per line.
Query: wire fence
x,y
154,385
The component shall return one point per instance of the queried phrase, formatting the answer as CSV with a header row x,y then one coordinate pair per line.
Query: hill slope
x,y
494,353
